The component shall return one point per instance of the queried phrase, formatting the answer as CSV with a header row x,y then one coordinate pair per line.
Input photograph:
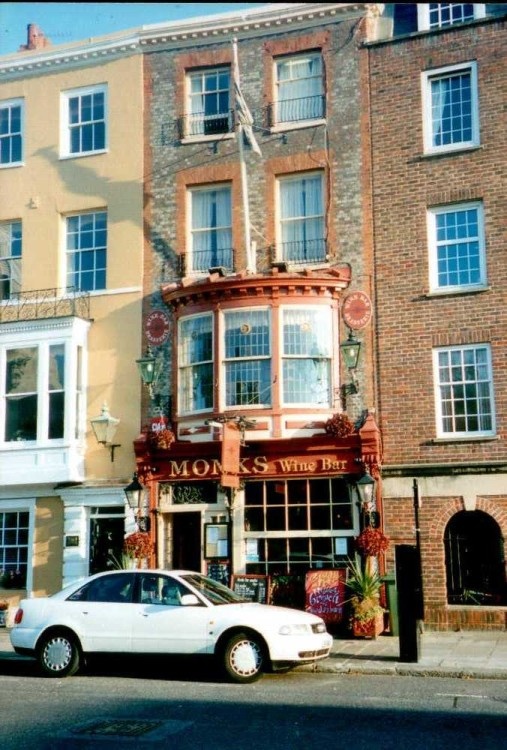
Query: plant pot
x,y
368,628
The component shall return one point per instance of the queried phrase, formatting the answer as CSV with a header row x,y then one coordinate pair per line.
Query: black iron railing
x,y
297,110
200,123
300,252
45,303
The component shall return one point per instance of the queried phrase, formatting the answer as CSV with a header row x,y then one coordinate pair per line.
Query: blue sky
x,y
70,22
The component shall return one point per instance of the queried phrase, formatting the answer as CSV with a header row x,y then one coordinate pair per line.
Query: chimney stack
x,y
35,38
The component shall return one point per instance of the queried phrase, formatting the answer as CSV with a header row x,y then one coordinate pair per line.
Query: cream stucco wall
x,y
46,188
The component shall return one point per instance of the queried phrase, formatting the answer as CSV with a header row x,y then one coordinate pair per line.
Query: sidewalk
x,y
477,654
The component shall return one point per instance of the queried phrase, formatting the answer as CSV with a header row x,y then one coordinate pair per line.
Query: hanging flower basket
x,y
138,546
371,542
339,426
162,440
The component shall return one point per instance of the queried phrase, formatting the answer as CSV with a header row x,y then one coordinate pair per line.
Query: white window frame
x,y
434,245
72,252
227,362
11,104
329,335
427,77
188,135
72,334
283,124
295,177
486,384
423,15
188,366
24,506
191,232
65,125
8,261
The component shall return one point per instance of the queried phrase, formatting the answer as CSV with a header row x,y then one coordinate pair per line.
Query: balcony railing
x,y
45,303
296,110
301,252
200,124
200,261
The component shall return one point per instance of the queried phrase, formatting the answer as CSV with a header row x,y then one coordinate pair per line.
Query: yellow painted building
x,y
71,262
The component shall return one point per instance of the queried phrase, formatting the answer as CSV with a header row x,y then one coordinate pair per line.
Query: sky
x,y
70,22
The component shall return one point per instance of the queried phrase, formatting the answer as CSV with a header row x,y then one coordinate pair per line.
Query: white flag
x,y
244,115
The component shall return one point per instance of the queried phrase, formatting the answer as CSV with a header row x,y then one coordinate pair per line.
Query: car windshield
x,y
214,592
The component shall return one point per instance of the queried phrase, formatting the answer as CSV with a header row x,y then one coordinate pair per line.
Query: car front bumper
x,y
301,649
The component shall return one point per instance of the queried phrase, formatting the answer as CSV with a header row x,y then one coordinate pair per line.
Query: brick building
x,y
438,86
258,238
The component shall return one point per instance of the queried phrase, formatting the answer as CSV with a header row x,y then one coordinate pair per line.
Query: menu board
x,y
254,588
219,571
325,594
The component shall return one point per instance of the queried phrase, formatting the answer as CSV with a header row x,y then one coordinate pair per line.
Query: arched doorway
x,y
474,560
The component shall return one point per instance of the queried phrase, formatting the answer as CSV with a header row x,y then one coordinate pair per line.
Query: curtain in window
x,y
302,220
211,229
299,89
196,365
451,109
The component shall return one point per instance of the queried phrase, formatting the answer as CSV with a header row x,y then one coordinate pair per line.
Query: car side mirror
x,y
189,600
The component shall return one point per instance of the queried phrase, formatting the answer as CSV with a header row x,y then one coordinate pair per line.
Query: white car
x,y
165,612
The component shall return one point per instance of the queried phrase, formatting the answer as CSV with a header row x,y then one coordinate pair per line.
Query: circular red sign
x,y
157,327
356,310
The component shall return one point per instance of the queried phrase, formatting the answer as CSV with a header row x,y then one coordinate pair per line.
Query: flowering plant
x,y
162,439
138,545
371,542
339,426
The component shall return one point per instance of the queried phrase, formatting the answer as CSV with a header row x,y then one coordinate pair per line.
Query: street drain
x,y
119,728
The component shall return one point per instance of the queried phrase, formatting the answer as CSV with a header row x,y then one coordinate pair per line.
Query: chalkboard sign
x,y
219,571
254,588
325,594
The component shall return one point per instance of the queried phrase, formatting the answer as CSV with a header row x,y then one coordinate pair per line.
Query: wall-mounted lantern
x,y
104,428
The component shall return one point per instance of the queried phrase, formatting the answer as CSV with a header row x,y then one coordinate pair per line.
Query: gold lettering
x,y
260,465
177,469
205,467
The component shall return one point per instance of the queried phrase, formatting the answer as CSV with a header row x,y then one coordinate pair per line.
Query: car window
x,y
158,589
115,588
214,592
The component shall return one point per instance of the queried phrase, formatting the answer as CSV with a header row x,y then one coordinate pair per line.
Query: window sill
x,y
206,138
83,154
471,439
449,152
455,291
12,165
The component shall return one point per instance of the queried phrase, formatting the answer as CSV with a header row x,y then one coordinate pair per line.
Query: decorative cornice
x,y
274,17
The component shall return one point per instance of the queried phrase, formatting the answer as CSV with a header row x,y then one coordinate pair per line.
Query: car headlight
x,y
298,629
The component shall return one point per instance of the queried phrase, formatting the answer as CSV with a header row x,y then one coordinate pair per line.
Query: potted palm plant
x,y
364,585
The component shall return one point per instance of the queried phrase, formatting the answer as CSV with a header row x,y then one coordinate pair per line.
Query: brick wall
x,y
405,183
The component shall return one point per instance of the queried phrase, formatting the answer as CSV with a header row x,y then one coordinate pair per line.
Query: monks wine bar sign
x,y
262,466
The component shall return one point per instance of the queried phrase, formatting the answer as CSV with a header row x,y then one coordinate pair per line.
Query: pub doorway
x,y
187,540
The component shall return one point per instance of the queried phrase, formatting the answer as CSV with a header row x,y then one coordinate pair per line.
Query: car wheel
x,y
58,655
244,658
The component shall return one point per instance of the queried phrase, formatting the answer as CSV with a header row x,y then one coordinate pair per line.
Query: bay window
x,y
247,358
195,361
307,356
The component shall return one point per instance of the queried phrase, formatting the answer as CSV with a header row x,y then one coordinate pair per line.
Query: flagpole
x,y
250,262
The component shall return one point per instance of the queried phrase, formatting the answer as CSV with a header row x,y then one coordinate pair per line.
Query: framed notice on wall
x,y
216,537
